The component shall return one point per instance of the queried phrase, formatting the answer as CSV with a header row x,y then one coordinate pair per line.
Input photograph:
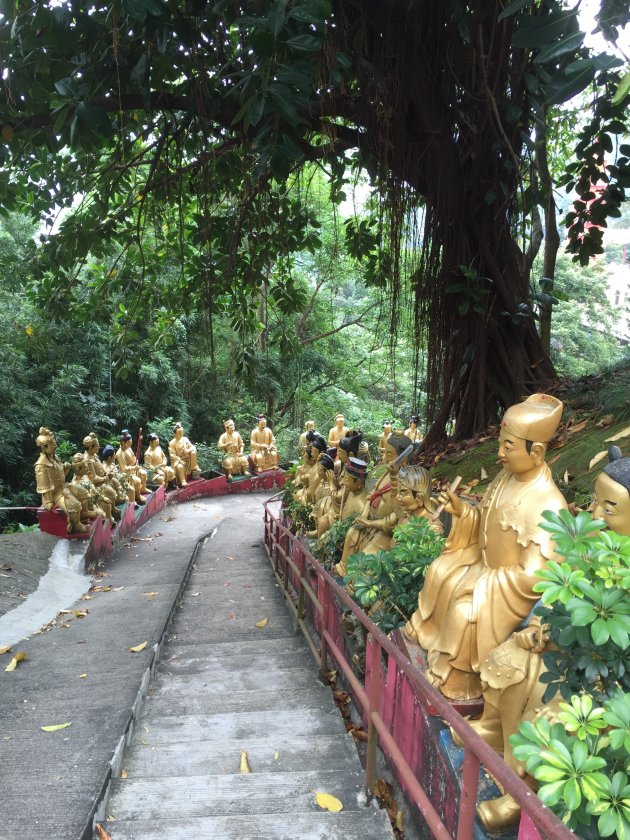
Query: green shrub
x,y
329,546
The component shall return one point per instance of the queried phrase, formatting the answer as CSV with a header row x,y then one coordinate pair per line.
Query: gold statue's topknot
x,y
537,419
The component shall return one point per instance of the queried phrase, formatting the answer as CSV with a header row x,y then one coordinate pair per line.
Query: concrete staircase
x,y
225,686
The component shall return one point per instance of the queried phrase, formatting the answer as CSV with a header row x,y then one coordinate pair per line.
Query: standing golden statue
x,y
50,478
156,462
263,446
382,441
413,432
93,503
480,588
338,431
303,442
127,463
231,444
183,455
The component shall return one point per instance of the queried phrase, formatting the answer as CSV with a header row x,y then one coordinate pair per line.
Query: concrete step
x,y
254,700
182,648
370,824
224,681
239,661
282,755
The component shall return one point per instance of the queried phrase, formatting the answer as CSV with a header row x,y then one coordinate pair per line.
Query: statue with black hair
x,y
156,462
413,432
127,463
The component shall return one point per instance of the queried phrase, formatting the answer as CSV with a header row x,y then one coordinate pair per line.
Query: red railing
x,y
312,593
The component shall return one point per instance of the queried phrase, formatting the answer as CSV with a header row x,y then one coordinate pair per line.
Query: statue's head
x,y
125,439
91,443
526,429
318,443
310,424
355,474
396,445
414,487
325,463
78,463
413,421
349,445
107,454
154,440
46,441
178,430
228,425
261,421
612,493
387,428
340,421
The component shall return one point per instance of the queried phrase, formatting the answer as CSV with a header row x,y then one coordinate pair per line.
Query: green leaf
x,y
513,8
276,16
538,31
572,795
304,43
623,89
568,44
565,87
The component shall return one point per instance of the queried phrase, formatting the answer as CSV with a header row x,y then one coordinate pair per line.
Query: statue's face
x,y
309,425
229,426
340,422
92,448
387,430
125,444
155,443
262,423
342,455
179,433
513,454
390,454
351,482
612,504
406,498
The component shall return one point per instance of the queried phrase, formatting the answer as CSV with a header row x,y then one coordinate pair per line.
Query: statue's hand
x,y
452,503
529,639
361,520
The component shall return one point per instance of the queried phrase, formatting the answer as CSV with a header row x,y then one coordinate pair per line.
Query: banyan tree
x,y
187,121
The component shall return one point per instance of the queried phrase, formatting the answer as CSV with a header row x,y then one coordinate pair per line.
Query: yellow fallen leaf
x,y
123,774
328,802
597,459
83,676
623,433
483,475
80,613
276,755
19,657
55,727
400,820
244,766
194,594
102,834
151,595
118,588
137,648
5,649
262,623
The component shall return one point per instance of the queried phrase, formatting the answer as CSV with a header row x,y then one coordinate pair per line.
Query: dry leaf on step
x,y
5,649
137,648
483,475
597,459
328,802
151,595
55,727
553,460
623,433
262,623
244,765
19,657
83,676
123,774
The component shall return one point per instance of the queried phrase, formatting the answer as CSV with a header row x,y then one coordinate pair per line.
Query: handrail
x,y
476,750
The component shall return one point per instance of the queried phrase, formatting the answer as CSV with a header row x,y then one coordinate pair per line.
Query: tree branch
x,y
343,326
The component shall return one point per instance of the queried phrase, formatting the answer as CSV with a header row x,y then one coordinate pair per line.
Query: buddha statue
x,y
183,455
127,463
372,531
480,588
302,443
338,431
50,478
382,441
413,432
156,463
93,503
510,674
231,444
264,453
116,476
317,446
97,475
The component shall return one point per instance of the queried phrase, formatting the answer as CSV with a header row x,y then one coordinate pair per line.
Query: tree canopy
x,y
190,131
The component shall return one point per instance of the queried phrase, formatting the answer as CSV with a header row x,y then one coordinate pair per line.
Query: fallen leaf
x,y
194,594
5,649
483,475
553,460
102,834
123,774
55,727
399,822
262,623
117,588
83,676
6,567
151,595
597,459
328,802
80,613
606,420
244,765
276,755
578,427
623,433
137,648
233,615
19,657
101,589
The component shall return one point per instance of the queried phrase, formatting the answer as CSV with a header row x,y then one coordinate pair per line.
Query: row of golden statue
x,y
99,483
474,616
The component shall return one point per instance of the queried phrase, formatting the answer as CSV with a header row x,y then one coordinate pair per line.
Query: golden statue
x,y
382,441
323,469
183,455
303,442
317,447
372,531
156,461
413,432
338,431
302,473
93,503
50,478
353,483
127,463
231,444
112,492
121,481
480,587
263,447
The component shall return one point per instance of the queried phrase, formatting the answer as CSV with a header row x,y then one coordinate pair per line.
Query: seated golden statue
x,y
302,473
382,441
99,478
264,453
156,462
302,443
183,455
353,482
317,447
121,481
372,531
50,478
323,469
480,588
413,432
231,444
93,503
127,463
338,431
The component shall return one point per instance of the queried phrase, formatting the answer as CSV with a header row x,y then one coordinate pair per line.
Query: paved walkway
x,y
223,686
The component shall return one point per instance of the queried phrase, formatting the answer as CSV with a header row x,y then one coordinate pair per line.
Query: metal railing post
x,y
468,796
373,689
323,593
